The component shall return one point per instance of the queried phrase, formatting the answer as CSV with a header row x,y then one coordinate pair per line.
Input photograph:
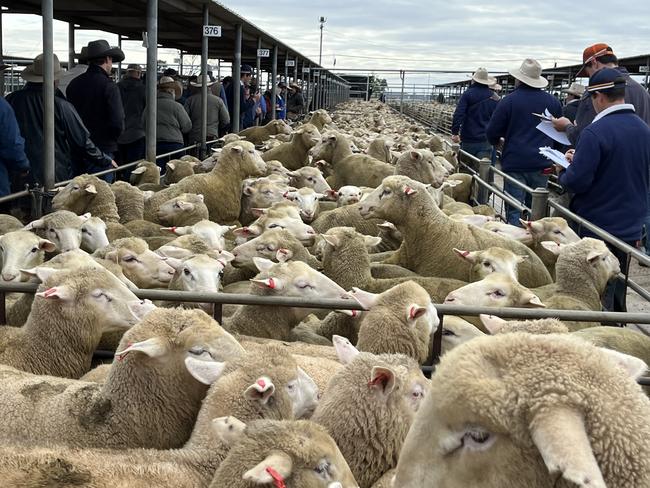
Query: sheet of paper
x,y
554,155
548,129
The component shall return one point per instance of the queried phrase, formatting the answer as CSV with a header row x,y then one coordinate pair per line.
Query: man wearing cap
x,y
472,115
134,99
245,99
594,59
295,102
513,120
609,172
97,99
218,118
69,134
573,95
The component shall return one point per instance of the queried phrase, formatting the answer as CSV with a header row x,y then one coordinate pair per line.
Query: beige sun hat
x,y
34,71
168,82
199,84
481,76
530,73
575,89
496,87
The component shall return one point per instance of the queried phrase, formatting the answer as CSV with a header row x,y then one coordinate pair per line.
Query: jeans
x,y
646,225
478,149
163,147
132,151
533,179
94,167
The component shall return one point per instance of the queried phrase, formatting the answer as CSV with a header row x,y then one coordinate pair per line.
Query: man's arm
x,y
115,110
12,145
459,114
79,136
496,128
579,176
224,116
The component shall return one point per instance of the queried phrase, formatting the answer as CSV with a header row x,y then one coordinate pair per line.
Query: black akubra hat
x,y
101,48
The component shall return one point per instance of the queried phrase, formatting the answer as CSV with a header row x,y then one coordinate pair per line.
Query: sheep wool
x,y
257,135
129,200
294,154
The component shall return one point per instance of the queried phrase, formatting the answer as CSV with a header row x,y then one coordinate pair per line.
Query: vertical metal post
x,y
219,69
71,32
258,66
286,68
180,65
367,97
295,71
539,204
48,93
274,84
152,77
484,173
2,74
204,85
307,85
119,65
402,75
236,77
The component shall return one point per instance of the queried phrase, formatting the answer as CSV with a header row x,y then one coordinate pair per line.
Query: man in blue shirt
x,y
513,120
12,147
609,172
472,115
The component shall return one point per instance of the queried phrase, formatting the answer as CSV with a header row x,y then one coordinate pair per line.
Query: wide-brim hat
x,y
134,67
481,76
200,83
575,89
34,72
83,55
167,82
530,73
100,48
295,87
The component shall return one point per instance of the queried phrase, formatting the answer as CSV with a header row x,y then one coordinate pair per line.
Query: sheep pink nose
x,y
8,276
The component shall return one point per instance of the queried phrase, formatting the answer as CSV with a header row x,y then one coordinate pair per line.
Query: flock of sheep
x,y
360,205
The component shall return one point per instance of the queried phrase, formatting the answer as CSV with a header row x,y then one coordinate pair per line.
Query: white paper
x,y
547,128
554,155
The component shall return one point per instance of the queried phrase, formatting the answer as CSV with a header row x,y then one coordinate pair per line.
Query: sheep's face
x,y
476,220
301,231
495,290
197,273
391,200
75,196
280,127
509,232
145,172
93,234
308,202
456,331
62,227
145,269
324,150
264,246
309,177
182,207
554,229
211,232
275,167
21,250
247,159
264,194
309,135
348,195
491,260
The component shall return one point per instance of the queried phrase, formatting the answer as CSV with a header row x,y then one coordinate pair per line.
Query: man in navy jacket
x,y
472,115
609,172
513,120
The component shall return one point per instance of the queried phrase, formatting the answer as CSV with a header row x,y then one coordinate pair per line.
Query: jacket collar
x,y
93,68
612,109
162,94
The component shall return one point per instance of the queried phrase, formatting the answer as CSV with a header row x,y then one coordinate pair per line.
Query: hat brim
x,y
176,86
491,80
28,74
115,53
571,92
199,85
540,82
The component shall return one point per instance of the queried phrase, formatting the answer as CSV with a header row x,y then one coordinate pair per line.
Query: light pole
x,y
320,51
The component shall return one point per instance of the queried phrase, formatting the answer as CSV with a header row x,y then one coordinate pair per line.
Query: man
x,y
295,102
12,147
218,117
594,59
281,112
609,172
98,101
574,94
246,100
513,120
472,115
134,98
69,134
77,70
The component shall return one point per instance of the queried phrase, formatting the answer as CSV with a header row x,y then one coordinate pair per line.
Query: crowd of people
x,y
100,124
607,124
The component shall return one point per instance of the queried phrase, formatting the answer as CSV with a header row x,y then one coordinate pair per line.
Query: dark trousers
x,y
163,147
132,151
93,167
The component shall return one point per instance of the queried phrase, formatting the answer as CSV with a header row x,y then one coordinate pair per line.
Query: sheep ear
x,y
173,252
35,224
45,245
633,366
331,195
283,255
154,348
345,351
371,241
492,323
263,264
289,195
171,166
414,312
85,216
90,188
364,298
261,390
187,206
274,469
225,257
553,246
173,262
228,429
42,272
207,372
594,256
465,255
112,256
333,241
534,301
258,212
383,379
237,149
139,171
408,191
61,292
389,225
200,197
415,155
561,439
270,283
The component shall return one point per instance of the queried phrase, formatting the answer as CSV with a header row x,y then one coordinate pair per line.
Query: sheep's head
x,y
275,167
140,265
246,159
324,149
211,232
21,250
491,260
554,229
456,331
263,193
187,208
145,172
297,227
63,228
311,177
279,127
308,202
93,233
177,169
509,232
309,135
198,273
77,195
348,195
266,246
392,199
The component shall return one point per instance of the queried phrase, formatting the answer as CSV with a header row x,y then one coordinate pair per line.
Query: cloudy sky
x,y
404,34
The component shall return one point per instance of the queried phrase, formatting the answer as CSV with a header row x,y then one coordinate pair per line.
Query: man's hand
x,y
569,155
114,164
561,124
455,139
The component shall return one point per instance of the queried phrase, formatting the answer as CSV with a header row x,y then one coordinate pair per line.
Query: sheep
x,y
554,229
366,410
292,454
491,260
462,191
348,195
379,149
346,216
456,331
274,167
149,398
399,321
185,209
257,135
421,166
184,246
145,172
63,228
140,265
129,200
221,187
546,410
434,143
93,233
211,232
293,278
21,249
309,177
177,169
319,118
474,219
407,204
268,245
9,223
69,314
305,233
308,202
293,155
260,193
510,232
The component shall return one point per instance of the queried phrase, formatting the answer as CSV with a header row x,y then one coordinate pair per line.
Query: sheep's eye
x,y
323,468
34,249
84,231
274,226
186,272
129,259
2,249
417,394
558,232
271,247
304,285
51,231
486,264
447,332
310,179
176,205
75,188
498,293
384,193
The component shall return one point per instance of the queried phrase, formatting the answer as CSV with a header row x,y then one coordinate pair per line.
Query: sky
x,y
404,34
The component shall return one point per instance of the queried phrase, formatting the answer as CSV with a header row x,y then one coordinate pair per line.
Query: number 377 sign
x,y
212,31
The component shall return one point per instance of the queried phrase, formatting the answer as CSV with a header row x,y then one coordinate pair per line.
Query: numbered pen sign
x,y
263,53
290,63
212,31
305,70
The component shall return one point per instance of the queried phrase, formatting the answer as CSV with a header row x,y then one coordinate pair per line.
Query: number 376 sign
x,y
212,31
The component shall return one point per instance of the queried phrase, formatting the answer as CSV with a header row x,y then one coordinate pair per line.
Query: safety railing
x,y
220,299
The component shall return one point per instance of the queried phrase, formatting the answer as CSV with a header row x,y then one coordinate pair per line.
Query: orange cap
x,y
591,53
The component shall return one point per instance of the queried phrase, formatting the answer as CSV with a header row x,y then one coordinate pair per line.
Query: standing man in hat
x,y
472,115
134,99
172,121
609,172
70,133
218,118
295,102
574,94
246,101
513,120
282,101
98,101
594,59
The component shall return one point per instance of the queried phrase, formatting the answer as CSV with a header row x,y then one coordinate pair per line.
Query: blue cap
x,y
605,79
245,68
